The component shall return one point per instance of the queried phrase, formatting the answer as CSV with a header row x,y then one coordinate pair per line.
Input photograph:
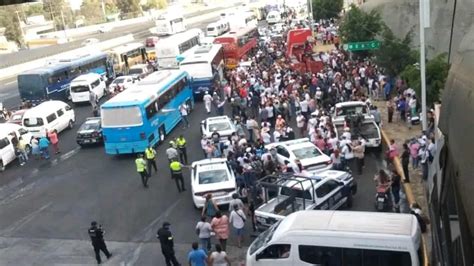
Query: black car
x,y
90,132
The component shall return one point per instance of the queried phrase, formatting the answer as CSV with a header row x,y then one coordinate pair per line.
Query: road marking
x,y
11,82
28,218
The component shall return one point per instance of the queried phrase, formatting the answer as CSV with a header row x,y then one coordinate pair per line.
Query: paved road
x,y
50,204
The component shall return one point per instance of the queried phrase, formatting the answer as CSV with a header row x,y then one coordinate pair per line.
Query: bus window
x,y
151,110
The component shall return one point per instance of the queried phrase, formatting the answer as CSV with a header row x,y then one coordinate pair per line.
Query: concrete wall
x,y
402,16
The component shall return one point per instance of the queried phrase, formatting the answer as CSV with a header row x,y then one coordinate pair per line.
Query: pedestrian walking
x,y
390,110
22,152
96,233
207,99
43,144
181,143
237,219
220,225
406,161
35,149
167,244
177,174
359,153
94,101
204,232
184,110
219,257
53,138
197,256
210,207
150,155
141,169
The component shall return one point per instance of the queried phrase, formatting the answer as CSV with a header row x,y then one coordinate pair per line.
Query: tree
x,y
34,9
394,54
56,10
326,9
359,26
436,73
156,4
92,11
129,8
9,20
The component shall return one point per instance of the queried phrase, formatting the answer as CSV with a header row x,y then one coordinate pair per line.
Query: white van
x,y
339,238
7,150
84,84
217,28
273,17
48,116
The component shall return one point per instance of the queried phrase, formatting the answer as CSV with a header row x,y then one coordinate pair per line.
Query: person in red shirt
x,y
53,138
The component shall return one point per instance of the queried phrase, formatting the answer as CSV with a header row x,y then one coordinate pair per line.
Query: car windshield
x,y
214,176
351,110
263,238
220,126
80,88
306,153
33,122
118,81
90,125
135,71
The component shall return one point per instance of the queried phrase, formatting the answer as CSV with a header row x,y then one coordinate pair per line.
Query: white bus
x,y
170,23
174,46
242,20
205,64
339,238
217,28
273,17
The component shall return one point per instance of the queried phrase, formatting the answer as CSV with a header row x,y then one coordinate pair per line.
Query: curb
x,y
409,193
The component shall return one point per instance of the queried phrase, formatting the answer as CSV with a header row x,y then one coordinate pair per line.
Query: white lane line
x,y
28,218
11,82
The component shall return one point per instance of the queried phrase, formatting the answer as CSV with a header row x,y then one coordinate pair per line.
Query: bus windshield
x,y
121,117
31,86
198,69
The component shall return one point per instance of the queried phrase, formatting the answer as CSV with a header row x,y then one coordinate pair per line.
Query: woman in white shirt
x,y
218,257
347,156
237,219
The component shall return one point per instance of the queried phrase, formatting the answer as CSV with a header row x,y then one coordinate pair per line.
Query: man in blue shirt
x,y
197,256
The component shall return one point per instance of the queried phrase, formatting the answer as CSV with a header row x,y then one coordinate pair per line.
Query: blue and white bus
x,y
205,64
143,115
52,82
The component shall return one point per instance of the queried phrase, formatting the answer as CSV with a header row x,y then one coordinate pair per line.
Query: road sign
x,y
361,46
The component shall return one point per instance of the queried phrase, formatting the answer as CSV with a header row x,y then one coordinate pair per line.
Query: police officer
x,y
181,143
150,155
97,237
167,245
141,169
177,174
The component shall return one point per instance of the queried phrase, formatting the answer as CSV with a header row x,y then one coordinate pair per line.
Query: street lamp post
x,y
423,65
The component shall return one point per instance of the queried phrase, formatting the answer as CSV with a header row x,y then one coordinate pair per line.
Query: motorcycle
x,y
382,198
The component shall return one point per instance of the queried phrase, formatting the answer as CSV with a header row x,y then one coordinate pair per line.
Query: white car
x,y
7,149
121,83
212,176
311,157
105,28
222,124
89,41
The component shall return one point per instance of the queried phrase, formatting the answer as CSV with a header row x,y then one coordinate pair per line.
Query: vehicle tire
x,y
2,167
349,200
162,134
70,124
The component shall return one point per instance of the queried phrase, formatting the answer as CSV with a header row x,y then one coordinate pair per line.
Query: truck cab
x,y
327,190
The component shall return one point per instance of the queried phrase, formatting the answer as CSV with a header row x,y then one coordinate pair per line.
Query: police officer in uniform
x,y
167,245
141,169
97,237
177,174
150,155
181,143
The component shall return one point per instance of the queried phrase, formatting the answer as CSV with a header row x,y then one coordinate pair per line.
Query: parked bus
x,y
176,45
127,55
52,82
170,23
205,65
143,115
237,45
217,28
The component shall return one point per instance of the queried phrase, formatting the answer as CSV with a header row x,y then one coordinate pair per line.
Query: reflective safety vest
x,y
181,142
141,164
175,167
150,153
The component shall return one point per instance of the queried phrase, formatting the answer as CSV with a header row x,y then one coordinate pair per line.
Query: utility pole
x,y
310,15
422,65
19,25
64,26
52,16
102,4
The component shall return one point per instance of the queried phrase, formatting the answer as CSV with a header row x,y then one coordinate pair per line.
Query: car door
x,y
7,151
62,121
282,154
328,194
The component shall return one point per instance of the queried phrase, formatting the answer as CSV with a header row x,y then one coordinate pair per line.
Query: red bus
x,y
237,44
299,60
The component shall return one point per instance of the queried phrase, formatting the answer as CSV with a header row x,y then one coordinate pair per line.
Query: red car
x,y
17,117
151,41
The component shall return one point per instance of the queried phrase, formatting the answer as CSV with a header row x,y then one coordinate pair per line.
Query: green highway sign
x,y
361,46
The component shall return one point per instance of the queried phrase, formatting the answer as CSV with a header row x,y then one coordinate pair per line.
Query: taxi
x,y
213,176
222,124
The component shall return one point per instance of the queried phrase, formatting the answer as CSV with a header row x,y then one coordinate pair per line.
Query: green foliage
x,y
394,54
155,4
34,10
326,9
129,8
9,20
359,26
436,74
92,11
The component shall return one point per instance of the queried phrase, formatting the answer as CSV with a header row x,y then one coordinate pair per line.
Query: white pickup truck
x,y
329,190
